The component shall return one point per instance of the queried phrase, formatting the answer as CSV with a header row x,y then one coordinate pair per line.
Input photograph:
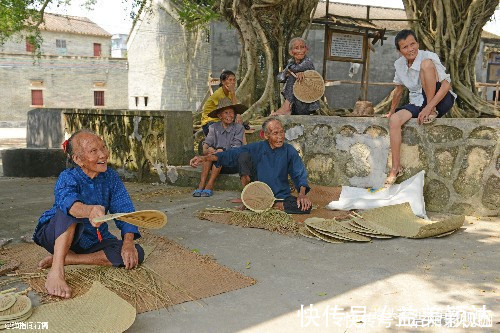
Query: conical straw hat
x,y
257,196
148,219
311,88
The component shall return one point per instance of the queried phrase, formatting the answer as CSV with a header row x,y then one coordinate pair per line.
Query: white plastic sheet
x,y
411,191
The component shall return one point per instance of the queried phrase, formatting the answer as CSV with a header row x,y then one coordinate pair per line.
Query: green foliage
x,y
195,14
18,16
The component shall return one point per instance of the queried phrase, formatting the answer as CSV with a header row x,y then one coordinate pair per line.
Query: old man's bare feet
x,y
56,284
46,262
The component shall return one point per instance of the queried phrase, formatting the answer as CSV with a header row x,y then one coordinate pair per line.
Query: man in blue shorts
x,y
430,92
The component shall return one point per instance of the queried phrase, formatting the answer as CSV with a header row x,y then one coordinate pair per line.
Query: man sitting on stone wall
x,y
222,135
430,95
271,161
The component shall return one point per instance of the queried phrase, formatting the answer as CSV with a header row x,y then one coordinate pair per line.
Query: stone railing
x,y
460,157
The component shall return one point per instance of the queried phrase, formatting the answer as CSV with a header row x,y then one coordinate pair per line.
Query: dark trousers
x,y
47,234
290,206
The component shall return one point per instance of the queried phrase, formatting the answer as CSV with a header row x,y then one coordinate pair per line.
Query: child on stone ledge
x,y
297,65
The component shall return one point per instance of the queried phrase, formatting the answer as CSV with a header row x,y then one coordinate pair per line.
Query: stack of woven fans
x,y
384,222
14,307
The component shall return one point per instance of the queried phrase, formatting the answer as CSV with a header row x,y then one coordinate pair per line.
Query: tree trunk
x,y
452,29
265,28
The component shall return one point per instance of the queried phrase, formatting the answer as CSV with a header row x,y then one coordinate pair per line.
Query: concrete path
x,y
460,270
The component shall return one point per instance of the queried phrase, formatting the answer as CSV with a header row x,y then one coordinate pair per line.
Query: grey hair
x,y
266,123
70,148
296,39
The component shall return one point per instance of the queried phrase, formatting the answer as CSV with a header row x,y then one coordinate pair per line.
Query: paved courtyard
x,y
461,270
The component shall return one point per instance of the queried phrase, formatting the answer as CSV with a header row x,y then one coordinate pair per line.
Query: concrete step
x,y
33,162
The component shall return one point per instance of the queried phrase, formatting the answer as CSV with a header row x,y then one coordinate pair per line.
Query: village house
x,y
75,70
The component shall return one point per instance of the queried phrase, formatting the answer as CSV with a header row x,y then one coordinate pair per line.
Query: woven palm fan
x,y
148,219
311,88
20,308
6,301
258,197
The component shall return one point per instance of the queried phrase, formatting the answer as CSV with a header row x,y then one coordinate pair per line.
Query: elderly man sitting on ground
x,y
222,135
270,161
86,190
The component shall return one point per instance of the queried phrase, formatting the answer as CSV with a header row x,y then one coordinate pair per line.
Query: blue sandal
x,y
197,193
207,193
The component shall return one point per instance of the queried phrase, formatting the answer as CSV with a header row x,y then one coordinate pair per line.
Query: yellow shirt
x,y
211,104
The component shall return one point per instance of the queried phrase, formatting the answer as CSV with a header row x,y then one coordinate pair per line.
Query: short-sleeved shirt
x,y
271,165
227,138
106,189
212,103
410,76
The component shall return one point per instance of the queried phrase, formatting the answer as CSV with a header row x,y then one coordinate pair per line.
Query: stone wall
x,y
143,145
461,157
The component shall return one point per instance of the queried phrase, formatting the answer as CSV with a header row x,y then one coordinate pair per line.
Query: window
x,y
145,101
98,98
97,50
29,47
136,101
37,97
61,46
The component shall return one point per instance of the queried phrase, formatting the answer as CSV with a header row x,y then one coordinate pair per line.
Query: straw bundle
x,y
272,219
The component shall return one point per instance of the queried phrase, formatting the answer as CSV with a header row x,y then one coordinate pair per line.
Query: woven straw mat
x,y
181,274
311,88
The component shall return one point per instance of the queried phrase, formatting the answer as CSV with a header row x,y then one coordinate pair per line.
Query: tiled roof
x,y
72,24
359,11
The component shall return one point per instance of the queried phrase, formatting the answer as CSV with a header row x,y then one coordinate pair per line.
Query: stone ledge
x,y
190,177
33,162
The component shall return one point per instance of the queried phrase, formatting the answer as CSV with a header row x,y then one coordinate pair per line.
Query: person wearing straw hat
x,y
430,93
86,190
294,71
222,135
227,87
270,161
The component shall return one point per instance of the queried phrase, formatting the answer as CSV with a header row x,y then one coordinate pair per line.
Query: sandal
x,y
430,118
207,193
392,179
197,193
